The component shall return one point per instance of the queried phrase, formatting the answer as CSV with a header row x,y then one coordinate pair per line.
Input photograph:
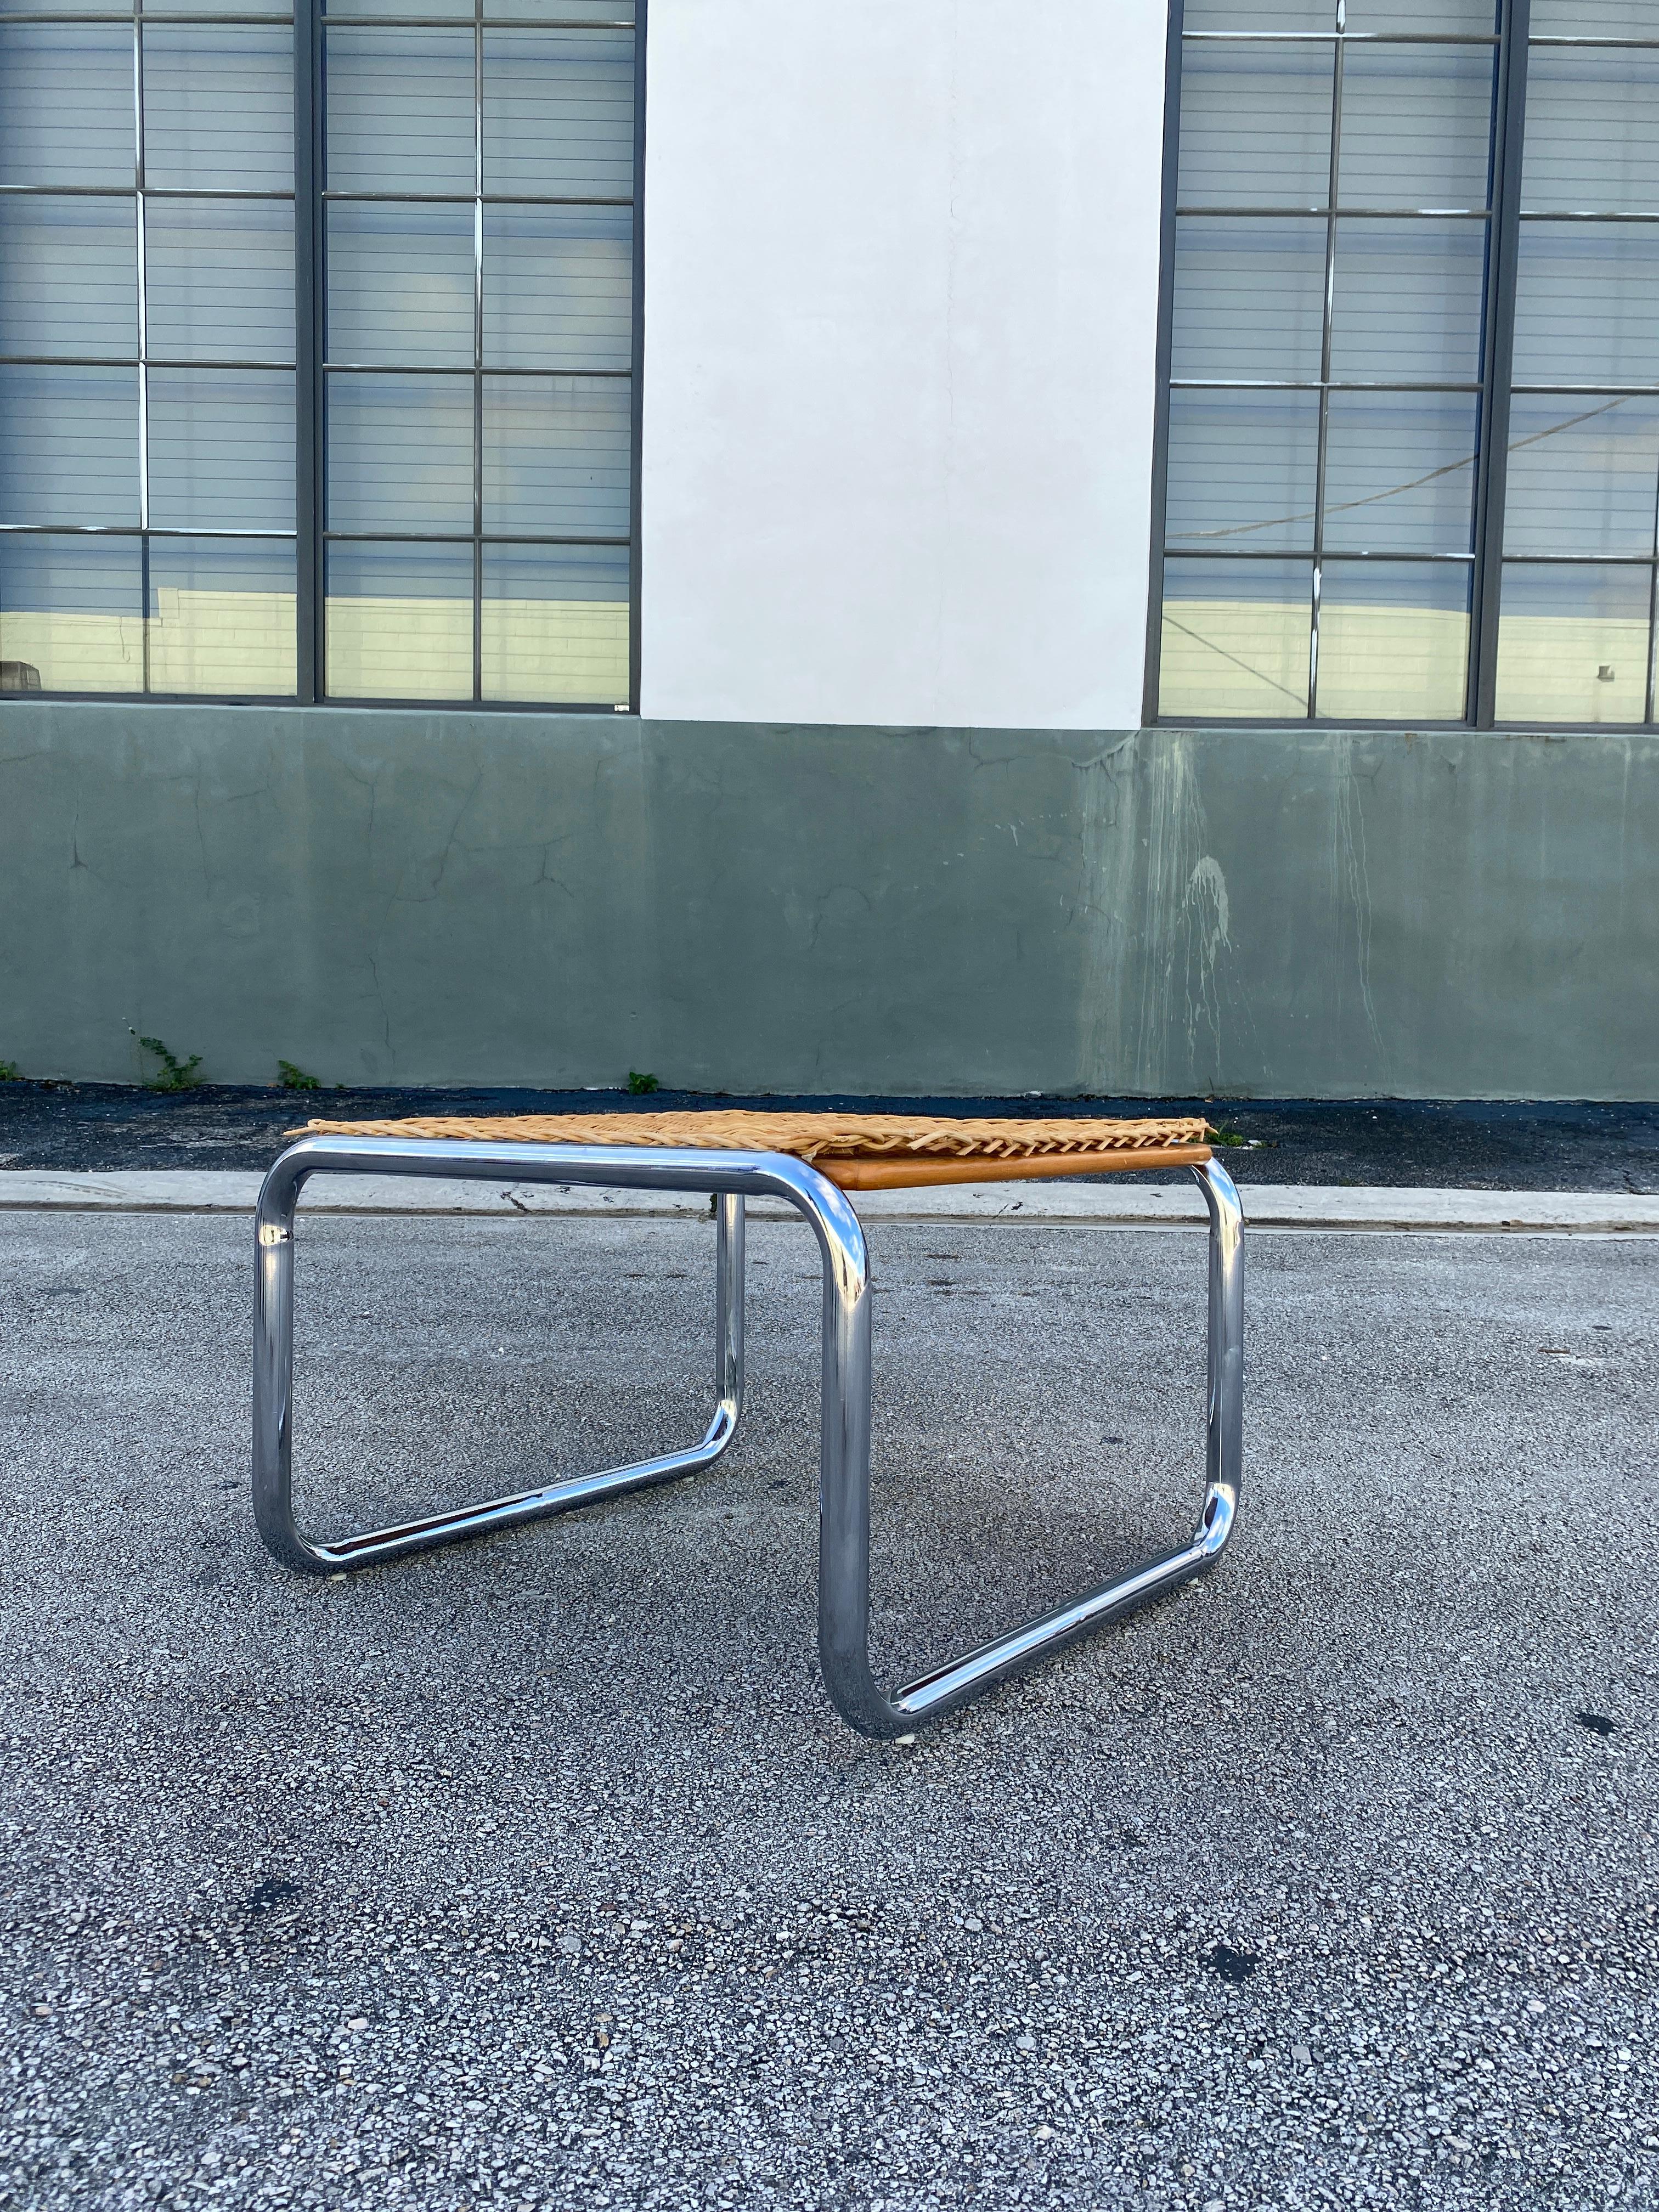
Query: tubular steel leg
x,y
844,1482
273,1386
844,1497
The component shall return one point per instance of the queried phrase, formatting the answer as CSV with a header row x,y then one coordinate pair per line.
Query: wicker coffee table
x,y
811,1161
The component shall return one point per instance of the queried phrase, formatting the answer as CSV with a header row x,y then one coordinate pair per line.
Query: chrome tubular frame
x,y
731,1178
273,1355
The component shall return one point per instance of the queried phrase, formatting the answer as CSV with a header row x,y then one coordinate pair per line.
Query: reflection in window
x,y
1576,630
1573,643
1236,638
479,352
1394,640
71,613
400,621
117,424
1331,490
467,520
1326,403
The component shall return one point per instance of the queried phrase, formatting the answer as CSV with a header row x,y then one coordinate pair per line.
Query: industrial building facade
x,y
1073,497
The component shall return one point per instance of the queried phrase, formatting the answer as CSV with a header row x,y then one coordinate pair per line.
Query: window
x,y
1411,467
318,351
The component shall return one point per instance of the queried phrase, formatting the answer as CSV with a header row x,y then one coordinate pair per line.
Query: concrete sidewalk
x,y
540,1872
1137,1205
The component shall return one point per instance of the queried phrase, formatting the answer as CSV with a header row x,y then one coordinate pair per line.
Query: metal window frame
x,y
1504,217
310,197
479,21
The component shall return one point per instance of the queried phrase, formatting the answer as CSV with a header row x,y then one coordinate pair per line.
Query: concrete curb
x,y
1169,1205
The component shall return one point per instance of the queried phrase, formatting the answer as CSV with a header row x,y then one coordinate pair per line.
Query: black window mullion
x,y
1166,250
1498,364
142,333
1327,305
636,391
308,339
477,347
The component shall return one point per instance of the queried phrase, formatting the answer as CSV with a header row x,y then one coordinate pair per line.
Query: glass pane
x,y
1572,645
555,623
68,445
1587,304
1416,126
398,622
218,8
558,113
1235,638
1592,130
583,11
221,618
1249,297
1583,476
400,284
1394,641
1242,469
367,10
221,279
1256,125
66,105
598,12
69,276
556,455
1406,300
1592,19
218,108
558,288
70,615
1260,15
1445,16
222,449
1400,472
400,453
401,114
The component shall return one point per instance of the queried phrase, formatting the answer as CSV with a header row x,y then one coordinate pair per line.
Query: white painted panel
x,y
901,309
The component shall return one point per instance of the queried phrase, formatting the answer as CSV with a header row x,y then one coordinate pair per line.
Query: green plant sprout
x,y
295,1078
639,1084
176,1074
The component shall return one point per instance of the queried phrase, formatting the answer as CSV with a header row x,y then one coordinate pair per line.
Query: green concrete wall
x,y
442,898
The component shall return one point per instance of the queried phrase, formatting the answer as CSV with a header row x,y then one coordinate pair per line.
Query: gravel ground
x,y
1470,1145
540,1872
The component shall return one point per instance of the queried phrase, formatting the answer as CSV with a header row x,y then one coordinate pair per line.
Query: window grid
x,y
478,200
1610,393
1502,553
310,198
1332,210
140,196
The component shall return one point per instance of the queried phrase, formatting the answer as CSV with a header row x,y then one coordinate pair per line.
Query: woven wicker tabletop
x,y
860,1151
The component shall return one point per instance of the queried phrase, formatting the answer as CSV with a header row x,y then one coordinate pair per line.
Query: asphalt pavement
x,y
1392,1143
540,1872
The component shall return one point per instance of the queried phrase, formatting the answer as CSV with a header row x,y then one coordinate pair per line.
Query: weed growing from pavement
x,y
176,1074
290,1077
639,1084
8,1071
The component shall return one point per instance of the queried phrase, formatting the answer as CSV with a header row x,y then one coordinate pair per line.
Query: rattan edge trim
x,y
921,1173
